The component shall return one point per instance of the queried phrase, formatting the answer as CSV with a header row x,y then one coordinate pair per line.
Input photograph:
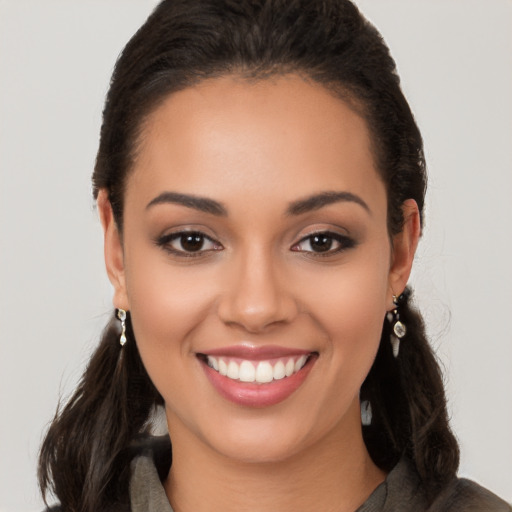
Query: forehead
x,y
282,136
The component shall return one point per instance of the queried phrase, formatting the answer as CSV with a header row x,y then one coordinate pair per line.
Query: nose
x,y
257,294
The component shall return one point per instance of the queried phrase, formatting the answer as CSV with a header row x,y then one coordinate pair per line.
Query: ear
x,y
404,248
113,251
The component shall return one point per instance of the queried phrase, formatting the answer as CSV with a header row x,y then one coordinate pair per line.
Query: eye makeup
x,y
324,243
194,243
188,244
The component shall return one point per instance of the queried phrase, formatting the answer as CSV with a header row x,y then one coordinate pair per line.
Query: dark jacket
x,y
402,491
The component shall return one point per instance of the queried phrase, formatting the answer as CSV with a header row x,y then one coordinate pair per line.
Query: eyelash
x,y
165,242
344,242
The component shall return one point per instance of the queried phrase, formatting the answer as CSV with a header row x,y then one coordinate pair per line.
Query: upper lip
x,y
255,352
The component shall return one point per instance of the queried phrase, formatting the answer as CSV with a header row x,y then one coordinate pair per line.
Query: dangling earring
x,y
366,413
398,328
121,314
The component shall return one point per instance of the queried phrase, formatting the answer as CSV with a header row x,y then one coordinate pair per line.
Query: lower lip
x,y
250,394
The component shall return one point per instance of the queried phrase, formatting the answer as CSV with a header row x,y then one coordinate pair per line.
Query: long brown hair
x,y
84,457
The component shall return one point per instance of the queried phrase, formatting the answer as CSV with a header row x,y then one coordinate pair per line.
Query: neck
x,y
335,474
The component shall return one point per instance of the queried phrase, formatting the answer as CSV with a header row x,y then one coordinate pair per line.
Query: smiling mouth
x,y
258,372
257,376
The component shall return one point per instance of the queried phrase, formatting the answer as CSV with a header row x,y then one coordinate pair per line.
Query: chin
x,y
245,451
263,440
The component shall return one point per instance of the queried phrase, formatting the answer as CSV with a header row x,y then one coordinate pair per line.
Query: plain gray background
x,y
56,57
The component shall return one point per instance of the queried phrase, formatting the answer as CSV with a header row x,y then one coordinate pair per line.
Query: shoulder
x,y
120,508
156,452
464,495
404,491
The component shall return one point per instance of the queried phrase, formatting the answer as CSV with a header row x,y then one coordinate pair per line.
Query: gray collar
x,y
146,491
400,488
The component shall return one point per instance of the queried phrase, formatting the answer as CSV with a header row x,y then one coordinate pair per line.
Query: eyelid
x,y
164,242
345,242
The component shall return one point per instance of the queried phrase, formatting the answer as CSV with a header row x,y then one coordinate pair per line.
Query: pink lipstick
x,y
257,376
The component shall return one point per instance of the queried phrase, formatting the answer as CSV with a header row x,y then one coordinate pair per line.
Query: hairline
x,y
250,75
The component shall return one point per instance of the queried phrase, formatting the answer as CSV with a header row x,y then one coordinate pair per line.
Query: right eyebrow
x,y
202,204
317,201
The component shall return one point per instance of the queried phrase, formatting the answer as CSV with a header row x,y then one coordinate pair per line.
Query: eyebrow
x,y
202,204
299,207
317,201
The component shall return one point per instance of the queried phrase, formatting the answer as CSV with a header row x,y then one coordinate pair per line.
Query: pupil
x,y
193,242
321,243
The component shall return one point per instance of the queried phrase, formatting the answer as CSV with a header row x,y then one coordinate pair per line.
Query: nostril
x,y
254,318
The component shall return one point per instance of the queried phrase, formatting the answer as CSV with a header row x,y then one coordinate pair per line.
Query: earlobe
x,y
113,251
404,248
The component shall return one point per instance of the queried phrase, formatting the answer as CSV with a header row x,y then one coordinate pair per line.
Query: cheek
x,y
167,304
350,307
354,332
352,298
168,307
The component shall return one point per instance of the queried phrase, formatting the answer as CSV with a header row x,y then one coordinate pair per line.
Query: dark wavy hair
x,y
85,455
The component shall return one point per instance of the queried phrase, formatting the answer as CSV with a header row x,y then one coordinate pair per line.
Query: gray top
x,y
146,491
400,492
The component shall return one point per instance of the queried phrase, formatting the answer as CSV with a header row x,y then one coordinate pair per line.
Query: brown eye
x,y
191,242
324,243
321,243
188,243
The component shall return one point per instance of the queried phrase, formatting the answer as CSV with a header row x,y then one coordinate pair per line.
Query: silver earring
x,y
121,314
398,328
366,413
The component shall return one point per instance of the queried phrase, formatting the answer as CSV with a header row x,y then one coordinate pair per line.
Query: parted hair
x,y
84,459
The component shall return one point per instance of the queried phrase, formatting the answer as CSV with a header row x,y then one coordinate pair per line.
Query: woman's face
x,y
255,244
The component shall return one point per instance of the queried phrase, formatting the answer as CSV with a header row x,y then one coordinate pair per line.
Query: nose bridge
x,y
258,294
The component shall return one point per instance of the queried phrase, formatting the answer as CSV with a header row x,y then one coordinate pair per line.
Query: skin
x,y
256,148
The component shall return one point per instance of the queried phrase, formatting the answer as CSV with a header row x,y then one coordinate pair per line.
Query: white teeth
x,y
261,372
233,370
279,371
212,361
300,363
247,372
289,368
264,372
223,367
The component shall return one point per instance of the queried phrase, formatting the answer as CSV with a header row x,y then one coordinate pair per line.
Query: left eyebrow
x,y
202,204
317,201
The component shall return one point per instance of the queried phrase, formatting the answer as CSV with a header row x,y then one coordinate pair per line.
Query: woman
x,y
260,181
